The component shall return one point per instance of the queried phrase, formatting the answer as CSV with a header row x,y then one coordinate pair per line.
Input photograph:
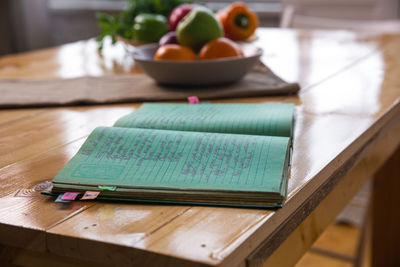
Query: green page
x,y
132,157
256,119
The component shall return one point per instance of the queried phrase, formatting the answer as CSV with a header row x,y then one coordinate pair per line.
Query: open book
x,y
207,154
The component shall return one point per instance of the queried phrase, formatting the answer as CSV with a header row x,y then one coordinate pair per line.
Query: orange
x,y
174,52
220,48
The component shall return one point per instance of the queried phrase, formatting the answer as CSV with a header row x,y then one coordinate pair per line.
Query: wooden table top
x,y
350,91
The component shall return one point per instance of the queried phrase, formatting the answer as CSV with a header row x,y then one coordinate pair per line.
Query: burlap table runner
x,y
132,88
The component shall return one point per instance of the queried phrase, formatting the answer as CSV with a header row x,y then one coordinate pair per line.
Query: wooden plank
x,y
356,92
42,63
108,231
107,235
72,60
237,247
315,260
310,57
32,135
26,177
24,213
301,239
16,114
23,219
213,235
385,214
12,256
339,239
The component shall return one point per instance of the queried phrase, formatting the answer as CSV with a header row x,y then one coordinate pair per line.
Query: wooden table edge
x,y
274,245
354,154
354,173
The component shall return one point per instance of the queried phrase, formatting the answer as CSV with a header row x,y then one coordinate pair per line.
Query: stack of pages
x,y
205,154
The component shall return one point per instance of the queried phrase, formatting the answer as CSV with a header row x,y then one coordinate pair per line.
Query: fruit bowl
x,y
199,72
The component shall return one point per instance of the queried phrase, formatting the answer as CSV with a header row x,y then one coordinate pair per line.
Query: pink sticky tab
x,y
90,195
69,196
193,100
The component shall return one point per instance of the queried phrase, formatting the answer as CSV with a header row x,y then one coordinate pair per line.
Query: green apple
x,y
198,28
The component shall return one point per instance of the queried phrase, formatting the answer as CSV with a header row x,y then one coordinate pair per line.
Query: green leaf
x,y
122,24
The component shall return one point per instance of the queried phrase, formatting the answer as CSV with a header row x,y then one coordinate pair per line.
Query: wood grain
x,y
24,220
68,61
300,239
38,168
316,259
310,57
385,214
13,256
350,100
339,239
36,133
16,114
237,242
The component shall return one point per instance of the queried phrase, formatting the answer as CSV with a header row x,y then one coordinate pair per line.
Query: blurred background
x,y
33,24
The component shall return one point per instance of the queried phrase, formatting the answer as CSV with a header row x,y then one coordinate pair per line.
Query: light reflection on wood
x,y
346,96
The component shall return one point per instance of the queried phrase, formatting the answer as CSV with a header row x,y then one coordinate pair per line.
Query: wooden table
x,y
347,130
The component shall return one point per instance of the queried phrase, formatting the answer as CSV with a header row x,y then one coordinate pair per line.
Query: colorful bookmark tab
x,y
193,100
69,196
107,188
59,199
90,195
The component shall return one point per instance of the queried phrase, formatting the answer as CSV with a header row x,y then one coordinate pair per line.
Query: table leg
x,y
386,214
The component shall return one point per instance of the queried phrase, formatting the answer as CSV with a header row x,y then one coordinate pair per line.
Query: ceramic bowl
x,y
199,72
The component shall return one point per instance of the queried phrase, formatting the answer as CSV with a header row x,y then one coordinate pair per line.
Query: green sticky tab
x,y
107,188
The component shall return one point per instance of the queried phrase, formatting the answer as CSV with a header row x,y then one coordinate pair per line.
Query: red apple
x,y
178,13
